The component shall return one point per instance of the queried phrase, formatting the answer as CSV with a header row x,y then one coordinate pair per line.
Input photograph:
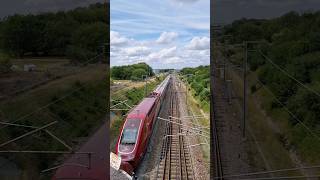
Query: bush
x,y
51,33
5,63
205,95
131,72
138,73
78,54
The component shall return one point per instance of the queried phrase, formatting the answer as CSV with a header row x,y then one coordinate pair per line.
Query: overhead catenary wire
x,y
192,128
44,107
39,109
196,125
53,102
296,118
50,79
269,172
291,113
289,75
27,134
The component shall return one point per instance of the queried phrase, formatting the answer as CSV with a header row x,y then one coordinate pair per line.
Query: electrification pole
x,y
245,83
187,89
245,63
145,87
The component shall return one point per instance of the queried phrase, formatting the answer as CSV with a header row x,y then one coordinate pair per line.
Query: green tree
x,y
87,41
138,73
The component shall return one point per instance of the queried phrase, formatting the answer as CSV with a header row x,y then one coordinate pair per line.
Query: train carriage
x,y
131,145
137,129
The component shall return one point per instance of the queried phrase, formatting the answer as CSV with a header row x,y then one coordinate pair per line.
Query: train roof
x,y
144,106
162,84
97,144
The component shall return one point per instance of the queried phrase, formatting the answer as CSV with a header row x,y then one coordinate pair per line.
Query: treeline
x,y
165,70
78,34
292,42
131,72
199,80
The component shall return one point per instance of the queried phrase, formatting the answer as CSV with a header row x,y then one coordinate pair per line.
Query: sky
x,y
226,11
10,7
162,33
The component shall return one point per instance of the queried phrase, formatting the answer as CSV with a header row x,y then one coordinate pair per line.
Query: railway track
x,y
217,122
175,160
216,145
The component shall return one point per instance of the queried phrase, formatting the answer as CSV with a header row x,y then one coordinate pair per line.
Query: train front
x,y
128,143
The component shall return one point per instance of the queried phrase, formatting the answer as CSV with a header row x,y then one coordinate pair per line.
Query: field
x,y
47,69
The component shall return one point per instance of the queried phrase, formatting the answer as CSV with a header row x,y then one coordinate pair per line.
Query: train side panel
x,y
147,113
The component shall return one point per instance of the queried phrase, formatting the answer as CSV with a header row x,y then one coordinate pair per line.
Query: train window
x,y
129,136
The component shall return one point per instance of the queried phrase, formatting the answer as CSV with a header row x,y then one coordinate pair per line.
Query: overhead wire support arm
x,y
245,83
122,102
28,133
35,127
193,128
290,113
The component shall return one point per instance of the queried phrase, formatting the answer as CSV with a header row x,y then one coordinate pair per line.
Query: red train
x,y
137,128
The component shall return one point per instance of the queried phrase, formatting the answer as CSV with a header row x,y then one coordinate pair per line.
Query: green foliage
x,y
185,71
205,93
78,54
131,72
78,115
77,33
58,35
138,73
135,95
293,44
293,41
306,106
199,79
87,40
5,63
81,111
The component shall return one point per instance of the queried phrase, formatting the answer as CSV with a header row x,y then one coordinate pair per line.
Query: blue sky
x,y
162,33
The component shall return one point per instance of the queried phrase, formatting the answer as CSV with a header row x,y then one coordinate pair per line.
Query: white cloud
x,y
172,60
199,43
136,51
167,37
164,53
126,50
117,39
